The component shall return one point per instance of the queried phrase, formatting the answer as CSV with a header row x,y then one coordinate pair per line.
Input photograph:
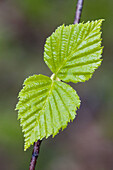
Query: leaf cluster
x,y
46,105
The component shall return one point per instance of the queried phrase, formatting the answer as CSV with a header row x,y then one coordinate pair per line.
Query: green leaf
x,y
45,106
73,52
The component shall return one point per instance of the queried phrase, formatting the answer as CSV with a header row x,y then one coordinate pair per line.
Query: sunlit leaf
x,y
73,52
45,106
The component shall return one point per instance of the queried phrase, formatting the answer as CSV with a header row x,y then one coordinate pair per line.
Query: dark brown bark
x,y
78,11
37,144
35,155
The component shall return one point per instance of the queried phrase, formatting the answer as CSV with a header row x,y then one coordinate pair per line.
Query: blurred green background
x,y
87,143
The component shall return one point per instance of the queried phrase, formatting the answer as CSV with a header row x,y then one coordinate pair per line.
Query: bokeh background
x,y
87,143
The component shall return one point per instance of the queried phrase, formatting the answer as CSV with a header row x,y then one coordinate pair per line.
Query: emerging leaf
x,y
45,106
73,52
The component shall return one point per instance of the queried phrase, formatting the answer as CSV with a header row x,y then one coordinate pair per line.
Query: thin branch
x,y
35,154
37,144
78,11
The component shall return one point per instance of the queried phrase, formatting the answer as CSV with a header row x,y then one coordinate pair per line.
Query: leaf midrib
x,y
74,50
43,108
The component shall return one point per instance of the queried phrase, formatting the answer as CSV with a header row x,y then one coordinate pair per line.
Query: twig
x,y
35,154
37,144
78,11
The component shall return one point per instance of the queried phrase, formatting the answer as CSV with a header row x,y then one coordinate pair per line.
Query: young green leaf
x,y
45,106
73,52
